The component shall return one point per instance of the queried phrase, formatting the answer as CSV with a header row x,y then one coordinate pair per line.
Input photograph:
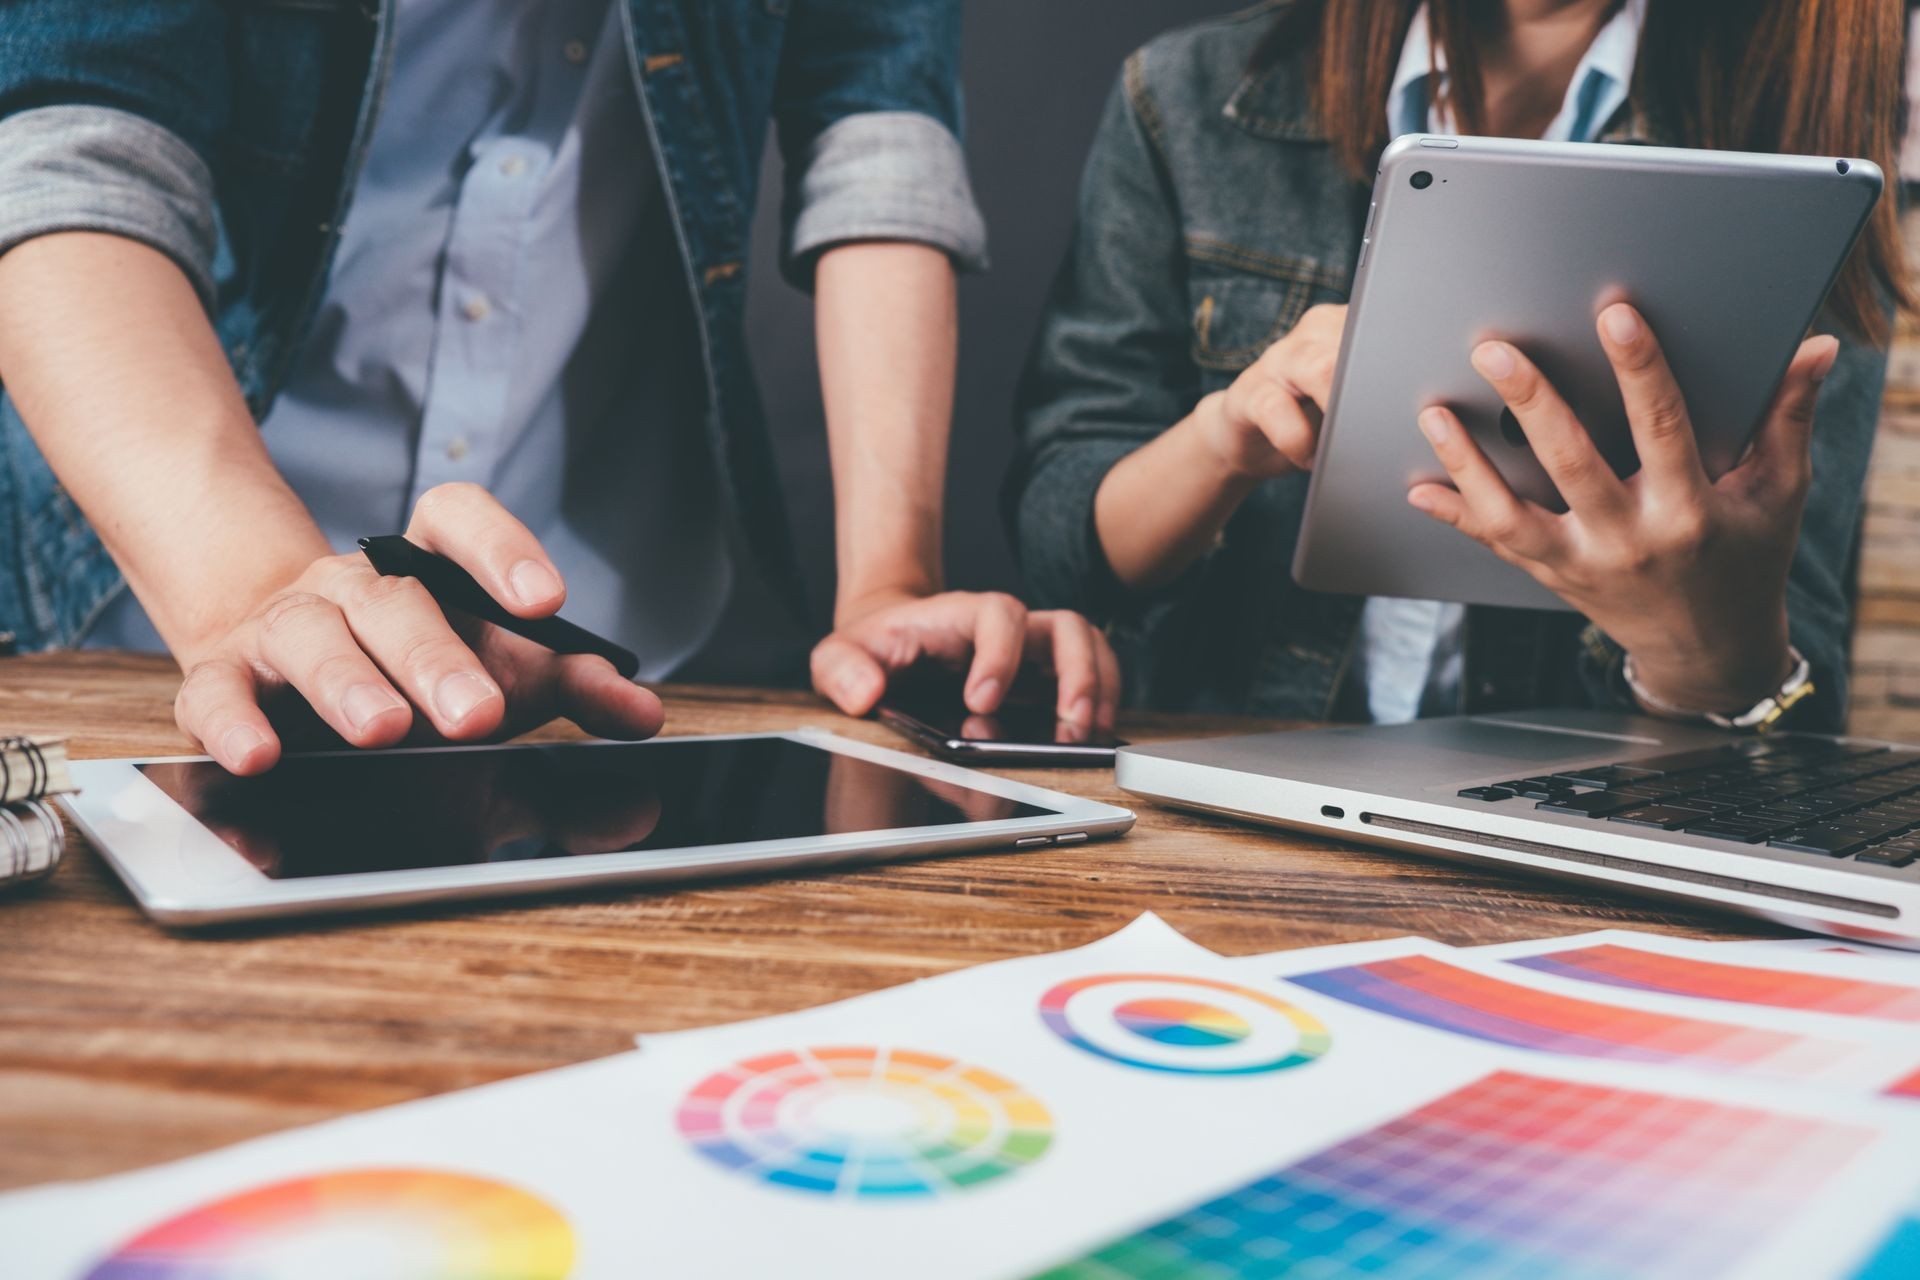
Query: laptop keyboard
x,y
1808,795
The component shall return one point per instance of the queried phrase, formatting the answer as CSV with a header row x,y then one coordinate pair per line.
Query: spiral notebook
x,y
31,833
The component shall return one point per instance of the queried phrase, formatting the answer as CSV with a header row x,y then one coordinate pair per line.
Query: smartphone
x,y
928,709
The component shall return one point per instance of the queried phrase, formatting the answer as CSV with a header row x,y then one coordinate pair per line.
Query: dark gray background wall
x,y
1036,75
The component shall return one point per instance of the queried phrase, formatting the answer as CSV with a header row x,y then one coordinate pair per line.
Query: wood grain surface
x,y
122,1044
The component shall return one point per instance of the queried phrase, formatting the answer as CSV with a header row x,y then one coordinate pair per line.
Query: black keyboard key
x,y
1539,788
1869,827
1896,853
1831,841
1486,793
1732,829
1667,817
1606,775
1686,761
1591,804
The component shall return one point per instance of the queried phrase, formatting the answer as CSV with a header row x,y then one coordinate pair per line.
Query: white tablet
x,y
346,830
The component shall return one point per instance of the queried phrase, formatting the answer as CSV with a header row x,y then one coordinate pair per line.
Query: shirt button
x,y
476,308
456,448
575,51
513,166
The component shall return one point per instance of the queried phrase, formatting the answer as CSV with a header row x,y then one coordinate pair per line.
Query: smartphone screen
x,y
928,707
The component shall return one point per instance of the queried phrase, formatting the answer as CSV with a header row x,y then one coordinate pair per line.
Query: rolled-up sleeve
x,y
868,108
888,175
93,168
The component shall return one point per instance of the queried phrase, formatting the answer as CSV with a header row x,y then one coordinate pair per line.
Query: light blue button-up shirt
x,y
507,308
1410,649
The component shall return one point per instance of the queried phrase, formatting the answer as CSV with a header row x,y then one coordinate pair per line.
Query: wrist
x,y
868,596
1238,455
1669,685
195,619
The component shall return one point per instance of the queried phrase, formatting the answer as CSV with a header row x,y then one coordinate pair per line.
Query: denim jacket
x,y
1212,214
228,135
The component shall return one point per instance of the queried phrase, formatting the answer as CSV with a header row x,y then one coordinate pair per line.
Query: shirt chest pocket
x,y
1239,312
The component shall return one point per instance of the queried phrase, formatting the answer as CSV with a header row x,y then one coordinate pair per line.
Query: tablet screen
x,y
341,814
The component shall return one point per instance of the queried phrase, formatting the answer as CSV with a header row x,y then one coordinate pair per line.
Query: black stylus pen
x,y
453,587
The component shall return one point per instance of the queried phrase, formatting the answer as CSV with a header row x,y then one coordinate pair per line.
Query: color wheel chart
x,y
1433,993
1181,1024
1512,1175
1641,970
861,1121
370,1224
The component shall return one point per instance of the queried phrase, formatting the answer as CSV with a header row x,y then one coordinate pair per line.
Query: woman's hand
x,y
1164,505
374,658
1267,422
1690,575
989,634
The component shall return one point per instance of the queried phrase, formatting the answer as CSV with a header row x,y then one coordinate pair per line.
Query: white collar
x,y
1615,48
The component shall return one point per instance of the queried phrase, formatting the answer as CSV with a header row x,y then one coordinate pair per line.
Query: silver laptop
x,y
1814,832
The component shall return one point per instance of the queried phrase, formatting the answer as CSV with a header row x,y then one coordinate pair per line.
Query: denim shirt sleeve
x,y
1819,586
108,124
868,111
1111,366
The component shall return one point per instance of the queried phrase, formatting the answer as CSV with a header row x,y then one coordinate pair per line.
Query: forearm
x,y
888,340
1163,505
115,370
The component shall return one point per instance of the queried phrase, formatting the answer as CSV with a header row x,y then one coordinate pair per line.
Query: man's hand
x,y
377,661
989,634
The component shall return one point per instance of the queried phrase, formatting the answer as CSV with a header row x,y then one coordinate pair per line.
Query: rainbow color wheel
x,y
368,1224
863,1121
1186,1025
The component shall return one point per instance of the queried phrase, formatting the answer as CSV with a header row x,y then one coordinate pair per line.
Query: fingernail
x,y
986,694
1420,500
456,696
533,582
364,703
240,742
1623,326
1081,712
1495,359
1433,425
1824,366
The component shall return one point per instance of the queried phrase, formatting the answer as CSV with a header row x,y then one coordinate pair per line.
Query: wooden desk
x,y
121,1044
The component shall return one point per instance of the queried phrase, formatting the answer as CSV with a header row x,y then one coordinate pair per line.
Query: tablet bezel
x,y
184,875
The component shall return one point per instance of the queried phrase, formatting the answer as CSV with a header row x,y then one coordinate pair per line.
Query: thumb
x,y
1780,447
847,675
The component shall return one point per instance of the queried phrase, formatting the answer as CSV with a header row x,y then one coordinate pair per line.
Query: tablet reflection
x,y
371,811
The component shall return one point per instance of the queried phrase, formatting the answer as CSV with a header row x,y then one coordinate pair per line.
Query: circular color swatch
x,y
861,1121
1191,1026
1185,1022
370,1224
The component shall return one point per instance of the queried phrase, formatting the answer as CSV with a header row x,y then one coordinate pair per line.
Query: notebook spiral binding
x,y
37,777
18,863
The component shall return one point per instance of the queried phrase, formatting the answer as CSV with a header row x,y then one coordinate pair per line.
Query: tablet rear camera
x,y
1842,166
1421,179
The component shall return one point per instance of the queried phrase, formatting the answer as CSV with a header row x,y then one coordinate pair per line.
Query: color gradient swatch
x,y
1433,993
862,1121
1641,970
1187,1025
1512,1175
370,1224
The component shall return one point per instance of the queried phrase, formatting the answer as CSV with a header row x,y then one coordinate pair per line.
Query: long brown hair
x,y
1812,77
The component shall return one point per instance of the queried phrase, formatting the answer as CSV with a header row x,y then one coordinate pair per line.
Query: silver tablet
x,y
334,831
1728,255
